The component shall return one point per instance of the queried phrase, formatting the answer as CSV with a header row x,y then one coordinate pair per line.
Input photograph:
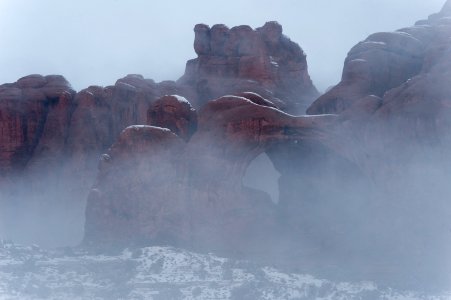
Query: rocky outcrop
x,y
242,59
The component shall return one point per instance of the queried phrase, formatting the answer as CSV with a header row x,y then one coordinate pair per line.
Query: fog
x,y
42,209
343,204
96,42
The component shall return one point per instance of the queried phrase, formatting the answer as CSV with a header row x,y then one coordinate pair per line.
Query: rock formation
x,y
100,116
394,104
198,191
387,60
381,62
51,141
241,59
374,171
369,163
397,83
81,126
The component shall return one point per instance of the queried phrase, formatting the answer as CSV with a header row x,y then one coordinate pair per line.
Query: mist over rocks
x,y
143,163
201,180
363,179
394,94
394,110
51,141
52,136
386,60
363,185
83,125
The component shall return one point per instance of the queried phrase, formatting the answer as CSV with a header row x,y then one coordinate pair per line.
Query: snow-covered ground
x,y
163,273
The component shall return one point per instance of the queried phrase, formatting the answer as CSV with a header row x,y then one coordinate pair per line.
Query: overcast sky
x,y
98,41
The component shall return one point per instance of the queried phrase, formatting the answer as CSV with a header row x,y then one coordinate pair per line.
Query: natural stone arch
x,y
202,201
234,131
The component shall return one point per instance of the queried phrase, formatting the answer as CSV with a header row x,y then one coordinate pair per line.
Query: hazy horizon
x,y
97,42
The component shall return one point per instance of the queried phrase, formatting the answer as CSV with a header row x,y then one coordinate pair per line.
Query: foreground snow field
x,y
163,273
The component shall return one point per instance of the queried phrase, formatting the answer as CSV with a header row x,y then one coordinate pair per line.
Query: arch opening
x,y
263,176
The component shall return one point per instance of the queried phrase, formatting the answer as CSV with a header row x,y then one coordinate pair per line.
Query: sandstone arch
x,y
206,177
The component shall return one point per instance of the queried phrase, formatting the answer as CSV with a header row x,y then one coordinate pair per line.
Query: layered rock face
x,y
242,59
